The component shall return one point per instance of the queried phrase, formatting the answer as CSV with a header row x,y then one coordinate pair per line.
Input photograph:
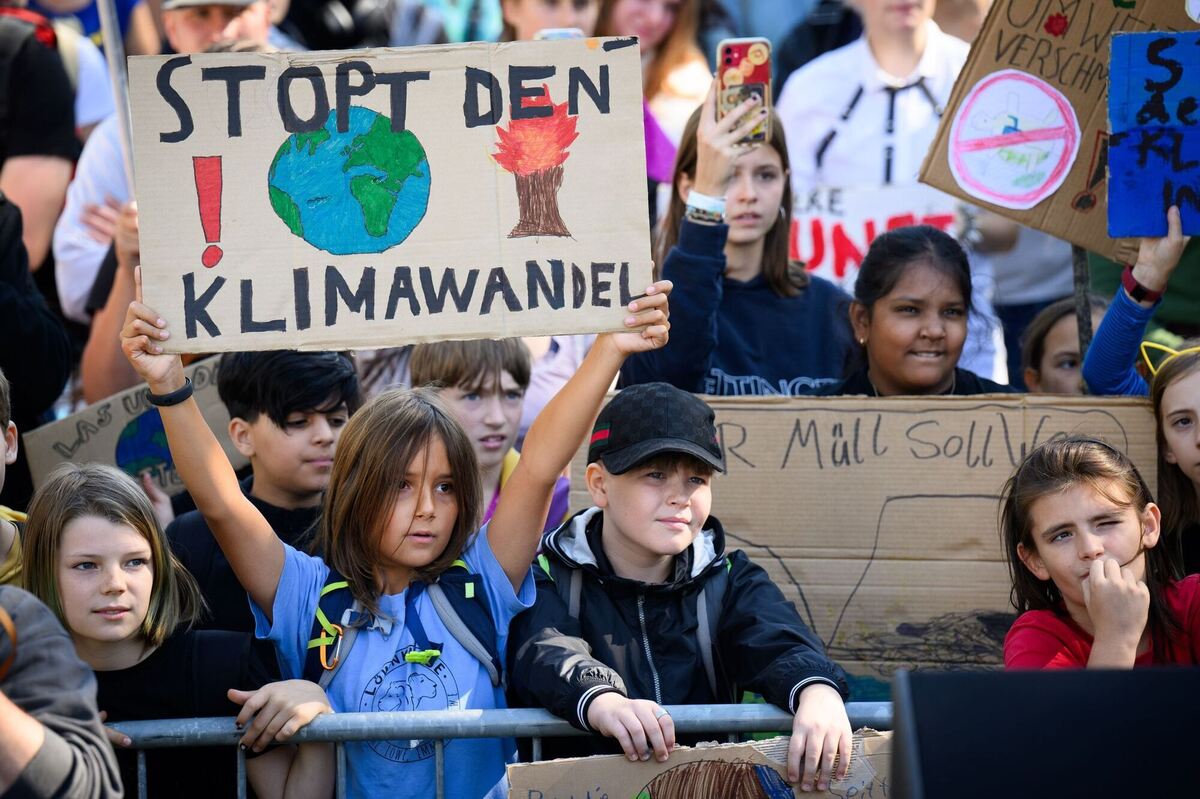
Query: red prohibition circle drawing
x,y
1013,141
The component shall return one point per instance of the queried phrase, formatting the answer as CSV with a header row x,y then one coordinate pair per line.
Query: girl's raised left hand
x,y
648,321
277,711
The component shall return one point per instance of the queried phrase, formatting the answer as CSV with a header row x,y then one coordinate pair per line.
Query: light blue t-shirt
x,y
375,676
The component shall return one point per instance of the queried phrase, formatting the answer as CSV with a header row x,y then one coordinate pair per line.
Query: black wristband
x,y
174,398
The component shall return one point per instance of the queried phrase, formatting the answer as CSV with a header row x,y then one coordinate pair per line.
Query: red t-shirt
x,y
1043,639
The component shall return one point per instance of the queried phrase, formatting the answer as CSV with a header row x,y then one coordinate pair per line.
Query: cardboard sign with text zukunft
x,y
1026,130
707,771
878,517
368,198
126,431
832,228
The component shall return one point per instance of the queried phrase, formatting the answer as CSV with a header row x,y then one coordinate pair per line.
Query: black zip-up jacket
x,y
640,639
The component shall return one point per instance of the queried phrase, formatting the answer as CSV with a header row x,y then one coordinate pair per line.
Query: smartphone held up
x,y
744,71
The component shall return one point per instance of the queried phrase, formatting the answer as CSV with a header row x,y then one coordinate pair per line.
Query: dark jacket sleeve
x,y
696,265
550,664
764,645
49,682
36,355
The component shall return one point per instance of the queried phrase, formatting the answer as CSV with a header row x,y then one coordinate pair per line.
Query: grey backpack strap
x,y
708,611
349,633
704,635
458,628
576,590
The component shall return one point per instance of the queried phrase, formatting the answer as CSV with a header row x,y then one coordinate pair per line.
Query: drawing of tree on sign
x,y
534,150
729,780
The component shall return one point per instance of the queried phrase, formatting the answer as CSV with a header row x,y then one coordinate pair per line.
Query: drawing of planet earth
x,y
142,445
361,191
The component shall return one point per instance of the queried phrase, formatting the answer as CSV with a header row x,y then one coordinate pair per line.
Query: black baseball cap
x,y
650,419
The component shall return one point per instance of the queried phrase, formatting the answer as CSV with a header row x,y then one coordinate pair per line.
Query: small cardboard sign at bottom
x,y
126,431
726,770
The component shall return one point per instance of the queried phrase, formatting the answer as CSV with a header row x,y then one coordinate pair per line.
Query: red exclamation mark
x,y
208,190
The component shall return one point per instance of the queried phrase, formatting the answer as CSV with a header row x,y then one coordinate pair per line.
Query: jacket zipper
x,y
646,646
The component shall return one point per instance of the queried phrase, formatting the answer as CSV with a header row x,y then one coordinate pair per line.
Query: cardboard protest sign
x,y
372,197
832,228
878,516
1026,130
126,431
1154,150
725,770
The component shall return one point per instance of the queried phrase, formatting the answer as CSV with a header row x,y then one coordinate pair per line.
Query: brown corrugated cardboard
x,y
704,772
879,517
126,431
1063,44
368,198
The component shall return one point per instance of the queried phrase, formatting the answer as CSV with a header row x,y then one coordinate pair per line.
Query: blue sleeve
x,y
503,601
1108,368
696,265
295,608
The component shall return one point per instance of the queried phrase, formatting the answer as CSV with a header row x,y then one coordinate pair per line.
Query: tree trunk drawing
x,y
533,149
537,196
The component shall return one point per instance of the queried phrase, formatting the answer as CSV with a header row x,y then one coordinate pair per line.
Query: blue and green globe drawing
x,y
361,191
142,445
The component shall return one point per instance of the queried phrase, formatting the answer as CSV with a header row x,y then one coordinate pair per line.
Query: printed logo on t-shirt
x,y
402,686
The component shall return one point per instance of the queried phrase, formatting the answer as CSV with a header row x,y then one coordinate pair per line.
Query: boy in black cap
x,y
639,605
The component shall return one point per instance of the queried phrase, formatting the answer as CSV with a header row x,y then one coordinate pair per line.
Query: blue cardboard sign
x,y
1154,116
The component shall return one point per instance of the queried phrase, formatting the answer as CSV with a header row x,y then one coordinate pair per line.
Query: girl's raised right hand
x,y
141,338
718,141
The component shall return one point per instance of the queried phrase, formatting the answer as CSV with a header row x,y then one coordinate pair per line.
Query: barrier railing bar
x,y
340,755
241,773
439,767
143,784
537,749
510,723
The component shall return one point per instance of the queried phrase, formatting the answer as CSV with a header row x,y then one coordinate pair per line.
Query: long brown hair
x,y
75,491
375,450
1176,492
1051,468
678,48
786,278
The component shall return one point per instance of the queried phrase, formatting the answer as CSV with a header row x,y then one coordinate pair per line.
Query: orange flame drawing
x,y
534,151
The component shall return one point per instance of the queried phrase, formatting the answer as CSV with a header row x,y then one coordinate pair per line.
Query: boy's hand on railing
x,y
820,731
647,321
141,338
277,711
639,725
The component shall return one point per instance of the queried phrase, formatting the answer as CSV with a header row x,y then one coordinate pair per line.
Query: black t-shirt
x,y
1190,540
40,118
193,543
186,677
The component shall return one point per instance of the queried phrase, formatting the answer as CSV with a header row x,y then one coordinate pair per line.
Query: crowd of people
x,y
403,536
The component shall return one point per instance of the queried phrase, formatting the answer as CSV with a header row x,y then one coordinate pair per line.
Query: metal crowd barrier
x,y
440,725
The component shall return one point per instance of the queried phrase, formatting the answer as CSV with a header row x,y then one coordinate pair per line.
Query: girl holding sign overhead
x,y
861,118
747,320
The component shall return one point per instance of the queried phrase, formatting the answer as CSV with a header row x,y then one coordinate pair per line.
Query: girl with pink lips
x,y
747,319
96,555
1093,583
911,301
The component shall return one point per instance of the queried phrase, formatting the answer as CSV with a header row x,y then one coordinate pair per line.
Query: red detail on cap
x,y
599,435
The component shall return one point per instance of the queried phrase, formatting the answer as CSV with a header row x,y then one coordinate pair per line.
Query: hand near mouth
x,y
1118,604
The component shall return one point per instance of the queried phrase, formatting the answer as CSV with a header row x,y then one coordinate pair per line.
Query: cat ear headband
x,y
1147,346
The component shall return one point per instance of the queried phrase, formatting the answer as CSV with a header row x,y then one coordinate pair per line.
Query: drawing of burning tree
x,y
534,150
